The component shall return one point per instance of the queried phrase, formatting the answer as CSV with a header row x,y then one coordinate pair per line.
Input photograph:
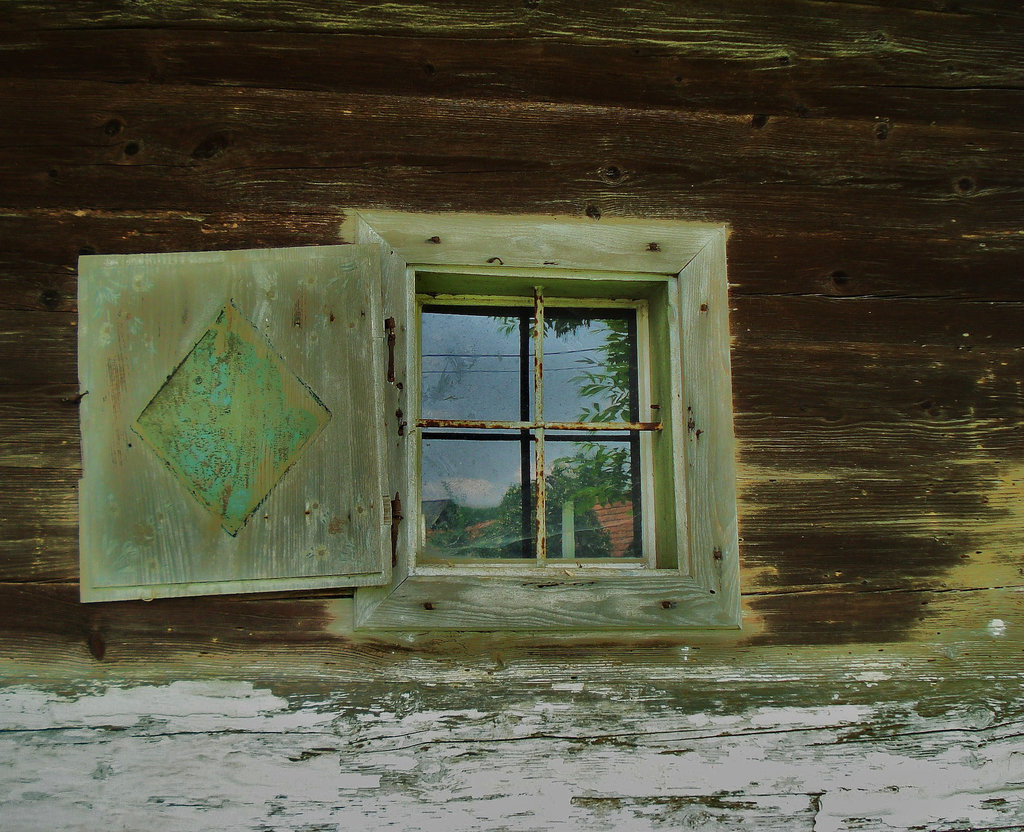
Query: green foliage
x,y
607,378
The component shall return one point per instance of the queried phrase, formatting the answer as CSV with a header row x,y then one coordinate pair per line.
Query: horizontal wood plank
x,y
50,635
39,516
40,426
41,250
908,451
862,80
38,348
871,327
202,149
940,525
609,738
650,21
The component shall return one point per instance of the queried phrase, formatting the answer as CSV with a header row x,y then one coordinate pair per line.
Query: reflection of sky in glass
x,y
473,501
470,366
474,473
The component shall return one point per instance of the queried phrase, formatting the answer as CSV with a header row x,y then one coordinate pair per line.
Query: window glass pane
x,y
593,488
472,365
590,366
473,503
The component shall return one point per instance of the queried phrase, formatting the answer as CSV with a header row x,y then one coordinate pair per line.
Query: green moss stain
x,y
231,419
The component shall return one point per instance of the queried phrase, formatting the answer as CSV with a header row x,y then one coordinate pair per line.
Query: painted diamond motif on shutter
x,y
231,419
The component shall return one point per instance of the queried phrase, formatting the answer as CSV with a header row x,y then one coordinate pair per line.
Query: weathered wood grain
x,y
39,518
41,248
859,81
38,348
901,388
257,327
383,150
867,158
507,754
40,426
290,642
911,265
729,25
946,199
871,327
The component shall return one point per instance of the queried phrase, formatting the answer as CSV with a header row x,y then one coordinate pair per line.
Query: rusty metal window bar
x,y
576,489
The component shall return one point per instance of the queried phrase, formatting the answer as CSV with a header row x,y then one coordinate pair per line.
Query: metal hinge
x,y
396,518
389,328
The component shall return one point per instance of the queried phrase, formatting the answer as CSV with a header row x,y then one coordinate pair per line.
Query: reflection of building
x,y
433,511
617,519
604,530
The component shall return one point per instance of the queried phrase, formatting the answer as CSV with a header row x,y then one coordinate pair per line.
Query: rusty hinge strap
x,y
389,327
396,517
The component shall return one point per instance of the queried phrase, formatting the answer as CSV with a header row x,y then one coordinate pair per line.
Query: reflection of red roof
x,y
617,519
474,531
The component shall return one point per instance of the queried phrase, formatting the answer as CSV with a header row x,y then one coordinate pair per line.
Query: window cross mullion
x,y
525,439
538,407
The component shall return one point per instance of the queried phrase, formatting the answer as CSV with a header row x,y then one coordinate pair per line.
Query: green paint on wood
x,y
231,419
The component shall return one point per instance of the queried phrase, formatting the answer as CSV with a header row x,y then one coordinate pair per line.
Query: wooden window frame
x,y
701,588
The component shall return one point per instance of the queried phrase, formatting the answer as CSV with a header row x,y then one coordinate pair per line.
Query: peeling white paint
x,y
872,676
204,705
829,716
233,757
996,628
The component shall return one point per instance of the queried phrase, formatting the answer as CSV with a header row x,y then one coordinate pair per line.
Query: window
x,y
480,422
485,473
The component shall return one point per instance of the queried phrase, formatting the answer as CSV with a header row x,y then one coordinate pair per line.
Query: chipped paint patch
x,y
872,676
231,756
231,419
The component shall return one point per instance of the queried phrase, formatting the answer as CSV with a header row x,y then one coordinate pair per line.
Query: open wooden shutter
x,y
232,431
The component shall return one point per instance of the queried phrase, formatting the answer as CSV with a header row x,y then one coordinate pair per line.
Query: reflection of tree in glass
x,y
605,378
595,474
608,377
592,476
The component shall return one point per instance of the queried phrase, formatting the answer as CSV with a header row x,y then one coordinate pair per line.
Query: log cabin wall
x,y
867,158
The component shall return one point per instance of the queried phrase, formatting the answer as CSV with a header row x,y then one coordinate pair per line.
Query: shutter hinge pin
x,y
389,327
396,517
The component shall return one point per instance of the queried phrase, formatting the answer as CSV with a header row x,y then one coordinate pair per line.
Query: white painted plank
x,y
231,756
